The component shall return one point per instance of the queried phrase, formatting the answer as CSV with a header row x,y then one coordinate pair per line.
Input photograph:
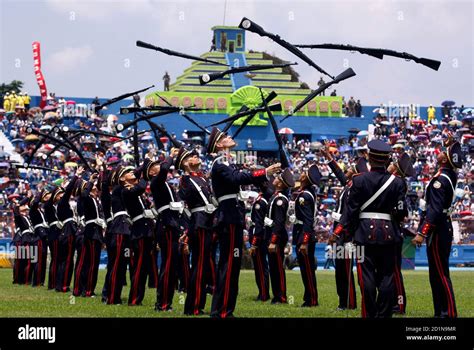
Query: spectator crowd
x,y
420,138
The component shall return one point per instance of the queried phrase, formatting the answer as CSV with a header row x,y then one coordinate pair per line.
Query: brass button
x,y
371,226
370,236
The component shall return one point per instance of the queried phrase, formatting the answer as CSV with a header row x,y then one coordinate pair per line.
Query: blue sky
x,y
88,47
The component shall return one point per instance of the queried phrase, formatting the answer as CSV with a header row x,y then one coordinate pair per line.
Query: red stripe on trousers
x,y
66,272
262,277
451,312
27,279
17,262
118,249
229,271
39,262
91,269
310,281
137,272
79,270
197,299
281,272
55,265
399,289
55,261
166,274
154,267
351,283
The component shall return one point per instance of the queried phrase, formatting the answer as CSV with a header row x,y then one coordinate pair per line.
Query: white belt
x,y
62,223
136,218
228,196
109,220
147,214
98,221
41,225
198,209
376,216
119,213
208,208
178,207
298,222
57,223
26,231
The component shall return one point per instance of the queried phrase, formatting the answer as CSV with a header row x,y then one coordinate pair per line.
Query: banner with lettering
x,y
39,74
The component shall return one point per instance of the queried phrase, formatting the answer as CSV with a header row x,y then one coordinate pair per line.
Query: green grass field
x,y
25,301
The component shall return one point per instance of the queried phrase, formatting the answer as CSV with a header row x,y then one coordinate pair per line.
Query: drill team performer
x,y
226,181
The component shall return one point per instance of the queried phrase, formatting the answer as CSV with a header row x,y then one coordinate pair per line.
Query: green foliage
x,y
15,85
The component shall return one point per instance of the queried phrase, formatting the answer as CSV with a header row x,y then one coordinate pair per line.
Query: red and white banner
x,y
39,74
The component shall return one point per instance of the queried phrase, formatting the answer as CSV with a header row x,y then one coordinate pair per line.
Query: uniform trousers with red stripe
x,y
79,281
87,268
228,270
439,248
168,241
153,275
118,250
53,244
345,285
66,247
211,273
39,272
200,245
260,266
307,264
18,274
183,273
277,273
105,292
30,262
140,266
375,272
400,301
